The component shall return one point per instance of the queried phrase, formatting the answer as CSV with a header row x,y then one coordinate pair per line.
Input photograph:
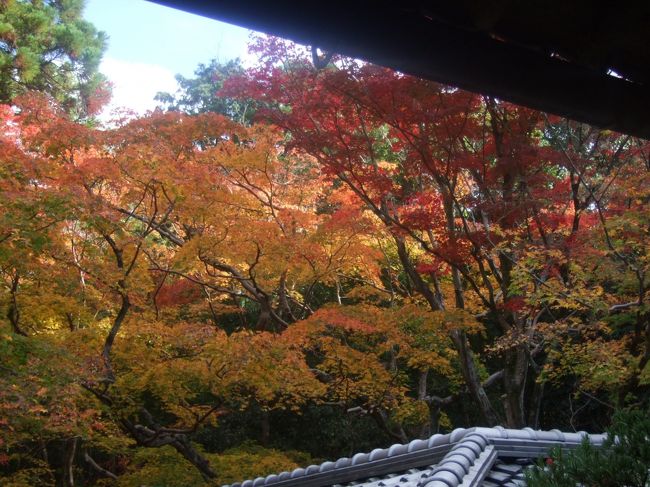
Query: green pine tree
x,y
47,46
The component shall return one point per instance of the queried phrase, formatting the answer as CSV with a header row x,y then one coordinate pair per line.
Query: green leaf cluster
x,y
47,46
624,459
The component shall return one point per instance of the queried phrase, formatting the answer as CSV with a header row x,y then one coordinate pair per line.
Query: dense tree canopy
x,y
370,254
512,214
200,94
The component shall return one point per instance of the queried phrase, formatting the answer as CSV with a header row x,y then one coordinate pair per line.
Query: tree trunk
x,y
110,338
43,447
422,384
183,446
68,466
468,367
418,283
154,438
97,468
472,379
381,418
265,429
535,407
514,381
13,312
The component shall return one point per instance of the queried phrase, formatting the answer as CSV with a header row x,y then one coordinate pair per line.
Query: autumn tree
x,y
379,249
607,174
484,209
102,231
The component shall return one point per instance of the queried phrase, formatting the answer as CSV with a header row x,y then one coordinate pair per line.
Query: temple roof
x,y
485,457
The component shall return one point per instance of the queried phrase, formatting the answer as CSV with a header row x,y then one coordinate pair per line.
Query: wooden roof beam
x,y
384,34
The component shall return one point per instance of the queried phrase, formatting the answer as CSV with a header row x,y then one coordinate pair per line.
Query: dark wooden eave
x,y
553,55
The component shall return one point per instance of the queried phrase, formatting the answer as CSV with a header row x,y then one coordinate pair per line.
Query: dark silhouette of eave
x,y
405,40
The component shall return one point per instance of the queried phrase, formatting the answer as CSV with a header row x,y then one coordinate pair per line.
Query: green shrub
x,y
623,460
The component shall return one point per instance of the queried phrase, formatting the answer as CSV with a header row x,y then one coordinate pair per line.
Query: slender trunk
x,y
183,446
434,421
516,359
110,338
646,352
514,381
458,288
97,468
285,308
535,407
265,429
434,410
13,313
467,364
418,283
448,206
575,196
43,447
154,438
422,384
505,266
68,467
642,326
71,323
392,359
472,379
213,312
398,434
515,370
468,367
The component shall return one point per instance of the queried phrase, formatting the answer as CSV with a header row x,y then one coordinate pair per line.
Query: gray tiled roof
x,y
474,457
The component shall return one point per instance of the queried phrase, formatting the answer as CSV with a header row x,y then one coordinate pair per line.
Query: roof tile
x,y
465,457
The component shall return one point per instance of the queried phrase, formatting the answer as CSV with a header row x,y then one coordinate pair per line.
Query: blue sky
x,y
148,44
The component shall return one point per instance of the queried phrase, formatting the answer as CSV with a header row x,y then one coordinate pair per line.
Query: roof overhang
x,y
461,46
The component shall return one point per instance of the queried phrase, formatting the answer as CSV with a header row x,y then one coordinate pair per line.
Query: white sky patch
x,y
135,85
